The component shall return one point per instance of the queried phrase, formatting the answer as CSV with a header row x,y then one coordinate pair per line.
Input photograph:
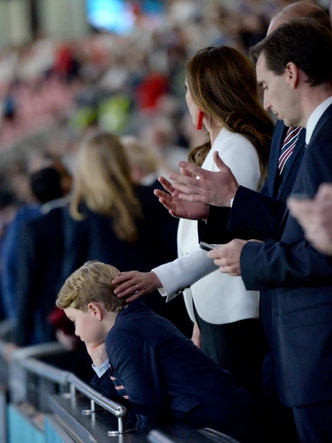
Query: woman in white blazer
x,y
222,95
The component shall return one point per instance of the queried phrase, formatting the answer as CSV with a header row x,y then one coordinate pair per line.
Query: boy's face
x,y
88,326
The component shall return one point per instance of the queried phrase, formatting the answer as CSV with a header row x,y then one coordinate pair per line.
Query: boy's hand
x,y
98,353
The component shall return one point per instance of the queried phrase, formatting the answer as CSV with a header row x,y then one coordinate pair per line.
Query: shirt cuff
x,y
100,370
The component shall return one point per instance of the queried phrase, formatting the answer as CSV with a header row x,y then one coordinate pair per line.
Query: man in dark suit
x,y
145,362
296,77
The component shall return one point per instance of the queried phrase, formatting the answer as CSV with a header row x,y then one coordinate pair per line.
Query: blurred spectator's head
x,y
103,182
159,133
43,160
300,10
102,159
143,161
46,185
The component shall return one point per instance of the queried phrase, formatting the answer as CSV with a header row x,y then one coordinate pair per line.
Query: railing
x,y
68,405
26,361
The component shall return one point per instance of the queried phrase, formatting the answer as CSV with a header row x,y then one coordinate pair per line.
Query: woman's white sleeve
x,y
183,272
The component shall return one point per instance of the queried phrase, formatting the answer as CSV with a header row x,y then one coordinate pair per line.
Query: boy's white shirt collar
x,y
314,118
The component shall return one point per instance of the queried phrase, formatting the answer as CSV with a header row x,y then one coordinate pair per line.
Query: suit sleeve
x,y
281,265
105,386
253,216
162,225
136,363
292,262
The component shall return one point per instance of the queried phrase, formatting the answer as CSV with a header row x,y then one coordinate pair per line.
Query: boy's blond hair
x,y
92,282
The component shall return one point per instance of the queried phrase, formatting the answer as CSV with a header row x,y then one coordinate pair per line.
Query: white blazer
x,y
219,298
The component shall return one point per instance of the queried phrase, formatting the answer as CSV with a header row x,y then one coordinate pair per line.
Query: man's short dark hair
x,y
305,43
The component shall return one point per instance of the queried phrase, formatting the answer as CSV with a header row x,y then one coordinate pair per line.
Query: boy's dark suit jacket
x,y
298,279
166,375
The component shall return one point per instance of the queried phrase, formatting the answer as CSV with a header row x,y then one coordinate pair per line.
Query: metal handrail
x,y
44,370
110,405
27,359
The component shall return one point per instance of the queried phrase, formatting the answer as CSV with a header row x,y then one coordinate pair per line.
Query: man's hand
x,y
196,184
315,217
177,207
227,256
97,353
134,284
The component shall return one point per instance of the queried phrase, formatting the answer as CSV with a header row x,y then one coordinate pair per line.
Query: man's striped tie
x,y
291,138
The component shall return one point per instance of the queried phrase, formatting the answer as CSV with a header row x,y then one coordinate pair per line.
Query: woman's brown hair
x,y
222,83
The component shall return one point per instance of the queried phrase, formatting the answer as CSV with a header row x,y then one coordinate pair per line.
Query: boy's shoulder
x,y
139,323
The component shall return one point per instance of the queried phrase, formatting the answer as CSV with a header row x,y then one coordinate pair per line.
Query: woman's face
x,y
193,109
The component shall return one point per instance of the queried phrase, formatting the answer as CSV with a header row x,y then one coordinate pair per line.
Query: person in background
x,y
45,187
225,315
8,208
145,164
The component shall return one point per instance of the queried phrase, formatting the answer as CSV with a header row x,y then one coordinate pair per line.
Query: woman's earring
x,y
199,123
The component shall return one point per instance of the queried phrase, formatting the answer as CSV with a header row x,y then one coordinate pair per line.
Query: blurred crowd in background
x,y
53,92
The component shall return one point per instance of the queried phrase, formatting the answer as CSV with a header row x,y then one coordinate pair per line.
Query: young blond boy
x,y
143,361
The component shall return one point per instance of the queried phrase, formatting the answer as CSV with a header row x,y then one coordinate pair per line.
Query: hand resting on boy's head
x,y
133,284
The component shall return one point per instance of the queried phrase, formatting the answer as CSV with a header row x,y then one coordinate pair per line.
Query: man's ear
x,y
95,309
292,74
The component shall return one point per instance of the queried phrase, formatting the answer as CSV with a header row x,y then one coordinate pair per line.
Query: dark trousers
x,y
314,422
277,419
238,347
